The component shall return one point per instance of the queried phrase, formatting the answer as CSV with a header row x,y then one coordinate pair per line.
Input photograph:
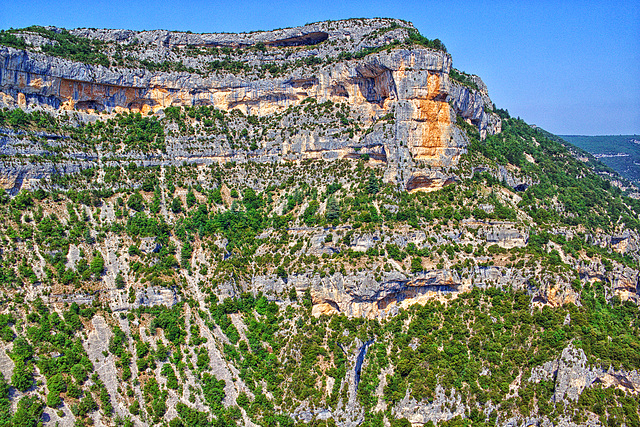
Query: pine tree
x,y
185,254
333,210
176,205
97,264
120,282
373,186
191,199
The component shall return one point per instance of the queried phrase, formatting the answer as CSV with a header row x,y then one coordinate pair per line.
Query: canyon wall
x,y
410,85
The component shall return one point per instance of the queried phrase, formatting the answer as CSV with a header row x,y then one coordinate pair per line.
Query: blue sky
x,y
571,67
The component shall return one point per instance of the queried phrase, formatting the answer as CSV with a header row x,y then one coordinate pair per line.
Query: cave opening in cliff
x,y
90,105
303,40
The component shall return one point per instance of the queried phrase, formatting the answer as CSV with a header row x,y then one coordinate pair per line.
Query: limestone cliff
x,y
316,225
391,78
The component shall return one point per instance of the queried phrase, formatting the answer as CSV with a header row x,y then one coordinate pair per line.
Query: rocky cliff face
x,y
409,85
294,226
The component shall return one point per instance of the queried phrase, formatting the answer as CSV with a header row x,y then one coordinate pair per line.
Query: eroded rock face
x,y
625,242
506,237
625,283
433,181
572,374
624,280
411,85
377,78
364,295
443,407
118,299
371,295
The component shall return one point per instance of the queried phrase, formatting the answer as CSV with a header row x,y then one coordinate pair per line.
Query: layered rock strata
x,y
410,85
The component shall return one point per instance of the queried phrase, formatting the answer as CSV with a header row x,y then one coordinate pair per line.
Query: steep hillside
x,y
620,152
365,86
328,226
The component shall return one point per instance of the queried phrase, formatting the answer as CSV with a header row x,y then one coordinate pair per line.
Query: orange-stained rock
x,y
323,309
434,120
412,85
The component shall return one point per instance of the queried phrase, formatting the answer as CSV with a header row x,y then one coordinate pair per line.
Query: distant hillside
x,y
620,152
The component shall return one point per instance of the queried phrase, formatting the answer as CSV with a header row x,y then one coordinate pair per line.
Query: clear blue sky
x,y
571,67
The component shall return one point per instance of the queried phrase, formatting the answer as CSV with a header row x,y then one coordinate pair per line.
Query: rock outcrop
x,y
572,373
507,237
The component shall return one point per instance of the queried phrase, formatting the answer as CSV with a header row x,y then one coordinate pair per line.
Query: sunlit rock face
x,y
409,86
